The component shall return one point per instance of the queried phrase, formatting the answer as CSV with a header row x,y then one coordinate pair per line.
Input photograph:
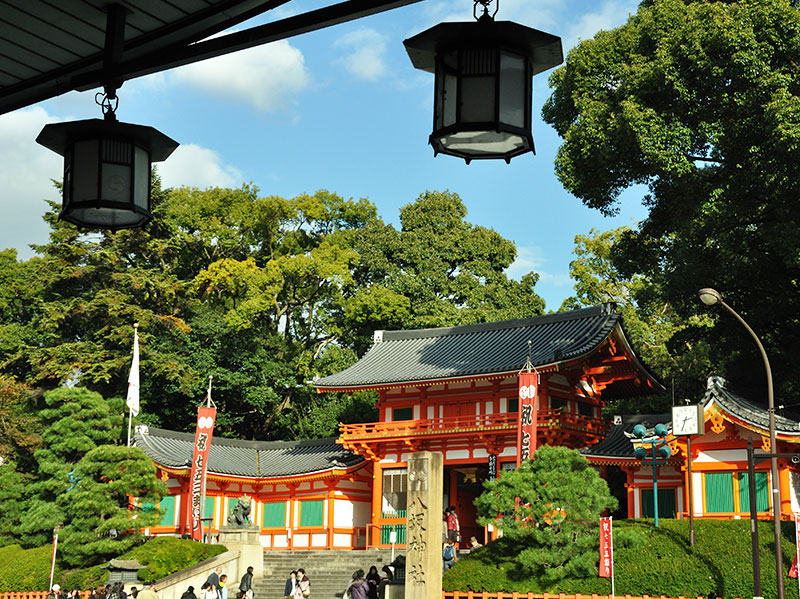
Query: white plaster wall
x,y
390,458
794,491
342,540
362,513
431,412
509,451
342,513
490,407
416,412
503,405
722,455
320,539
480,453
457,454
697,491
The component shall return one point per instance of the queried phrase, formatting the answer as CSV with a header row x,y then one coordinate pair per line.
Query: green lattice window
x,y
274,515
311,513
719,492
762,491
399,414
168,505
666,503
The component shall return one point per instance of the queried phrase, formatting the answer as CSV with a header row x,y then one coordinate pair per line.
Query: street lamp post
x,y
711,297
658,448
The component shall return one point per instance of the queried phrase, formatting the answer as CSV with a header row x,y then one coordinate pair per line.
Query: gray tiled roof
x,y
749,411
617,444
489,348
252,459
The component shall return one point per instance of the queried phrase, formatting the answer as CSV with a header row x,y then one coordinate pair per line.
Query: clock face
x,y
686,420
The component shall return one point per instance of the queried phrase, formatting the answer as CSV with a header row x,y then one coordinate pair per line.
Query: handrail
x,y
507,420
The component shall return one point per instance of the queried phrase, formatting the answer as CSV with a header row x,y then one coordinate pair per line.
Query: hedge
x,y
29,569
648,561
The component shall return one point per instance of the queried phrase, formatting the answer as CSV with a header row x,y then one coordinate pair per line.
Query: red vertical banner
x,y
793,571
606,549
526,425
202,446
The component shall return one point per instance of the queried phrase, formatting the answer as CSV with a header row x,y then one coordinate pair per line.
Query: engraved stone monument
x,y
424,526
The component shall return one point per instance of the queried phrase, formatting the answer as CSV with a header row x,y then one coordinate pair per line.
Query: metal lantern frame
x,y
106,170
460,54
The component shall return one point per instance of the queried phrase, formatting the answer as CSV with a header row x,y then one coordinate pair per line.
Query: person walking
x,y
359,587
207,591
246,584
189,594
291,584
374,580
223,584
448,555
453,528
303,584
148,592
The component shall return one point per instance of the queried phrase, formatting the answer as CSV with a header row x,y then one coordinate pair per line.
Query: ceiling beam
x,y
181,55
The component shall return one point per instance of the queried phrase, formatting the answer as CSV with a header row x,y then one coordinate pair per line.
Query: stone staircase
x,y
329,571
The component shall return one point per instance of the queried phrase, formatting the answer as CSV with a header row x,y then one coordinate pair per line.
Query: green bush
x,y
29,569
25,569
647,561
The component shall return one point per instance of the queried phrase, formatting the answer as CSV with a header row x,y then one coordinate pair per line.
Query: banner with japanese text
x,y
202,446
606,549
526,424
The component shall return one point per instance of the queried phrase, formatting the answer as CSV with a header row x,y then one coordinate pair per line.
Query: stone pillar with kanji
x,y
424,526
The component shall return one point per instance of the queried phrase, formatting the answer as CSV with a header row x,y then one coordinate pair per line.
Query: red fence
x,y
471,595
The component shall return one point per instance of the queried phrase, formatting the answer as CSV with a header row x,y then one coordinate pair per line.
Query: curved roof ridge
x,y
718,389
498,325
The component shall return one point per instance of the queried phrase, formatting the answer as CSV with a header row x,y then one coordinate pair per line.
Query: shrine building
x,y
454,390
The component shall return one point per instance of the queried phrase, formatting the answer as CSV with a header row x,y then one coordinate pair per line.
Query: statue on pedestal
x,y
240,516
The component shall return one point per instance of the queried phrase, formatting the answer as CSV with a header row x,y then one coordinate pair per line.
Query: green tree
x,y
437,270
74,422
110,505
700,102
12,490
654,326
551,505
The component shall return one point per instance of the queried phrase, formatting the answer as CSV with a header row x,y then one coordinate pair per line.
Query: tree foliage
x,y
262,293
111,504
697,100
75,421
656,329
551,505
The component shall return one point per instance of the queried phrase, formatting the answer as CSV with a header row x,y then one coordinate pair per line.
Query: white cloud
x,y
366,52
193,166
26,170
267,77
531,258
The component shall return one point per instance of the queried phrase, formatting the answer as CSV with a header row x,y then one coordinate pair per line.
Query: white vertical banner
x,y
132,400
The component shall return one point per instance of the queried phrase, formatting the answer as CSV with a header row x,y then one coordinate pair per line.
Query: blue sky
x,y
339,109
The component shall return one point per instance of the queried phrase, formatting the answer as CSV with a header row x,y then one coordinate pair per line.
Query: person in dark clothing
x,y
374,581
291,583
246,583
213,579
189,594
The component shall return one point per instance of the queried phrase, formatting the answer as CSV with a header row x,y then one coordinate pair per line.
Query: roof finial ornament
x,y
528,363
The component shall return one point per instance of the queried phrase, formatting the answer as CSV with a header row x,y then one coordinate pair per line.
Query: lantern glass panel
x,y
513,89
141,175
483,142
116,165
449,98
85,170
478,85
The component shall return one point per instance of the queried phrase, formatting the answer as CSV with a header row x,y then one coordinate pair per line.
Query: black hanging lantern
x,y
483,85
106,169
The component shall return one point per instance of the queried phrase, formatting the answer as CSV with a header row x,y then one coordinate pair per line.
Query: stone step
x,y
330,571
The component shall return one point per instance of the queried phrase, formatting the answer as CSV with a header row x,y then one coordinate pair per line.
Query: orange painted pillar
x,y
786,491
331,491
631,493
373,526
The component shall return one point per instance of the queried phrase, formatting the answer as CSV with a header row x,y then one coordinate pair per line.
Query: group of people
x,y
298,586
216,587
112,591
364,587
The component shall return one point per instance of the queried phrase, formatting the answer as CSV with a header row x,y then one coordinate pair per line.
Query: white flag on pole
x,y
133,379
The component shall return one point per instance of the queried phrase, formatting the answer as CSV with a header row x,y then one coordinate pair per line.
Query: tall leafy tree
x,y
700,102
551,506
655,327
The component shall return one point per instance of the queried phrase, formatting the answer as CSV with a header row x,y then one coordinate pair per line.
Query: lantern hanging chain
x,y
108,102
485,4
